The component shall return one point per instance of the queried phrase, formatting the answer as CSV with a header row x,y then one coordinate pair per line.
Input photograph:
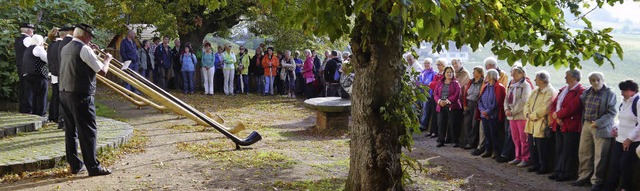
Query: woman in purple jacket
x,y
449,108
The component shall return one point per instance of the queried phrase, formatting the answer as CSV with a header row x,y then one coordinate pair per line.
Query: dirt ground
x,y
181,156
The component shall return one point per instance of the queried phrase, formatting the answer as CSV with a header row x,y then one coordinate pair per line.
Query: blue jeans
x,y
187,82
268,84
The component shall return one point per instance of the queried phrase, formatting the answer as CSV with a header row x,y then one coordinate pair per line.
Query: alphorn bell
x,y
176,105
239,127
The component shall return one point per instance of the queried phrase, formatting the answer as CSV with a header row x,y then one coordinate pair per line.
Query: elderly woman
x,y
425,78
440,64
536,111
288,73
470,95
307,73
599,113
565,117
490,110
517,96
35,72
627,133
447,96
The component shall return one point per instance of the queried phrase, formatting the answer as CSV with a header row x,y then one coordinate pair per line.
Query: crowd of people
x,y
267,72
570,133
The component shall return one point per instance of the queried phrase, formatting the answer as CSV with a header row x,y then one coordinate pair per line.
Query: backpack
x,y
336,75
634,107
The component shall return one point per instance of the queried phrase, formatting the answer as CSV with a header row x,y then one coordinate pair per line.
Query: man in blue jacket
x,y
163,62
129,51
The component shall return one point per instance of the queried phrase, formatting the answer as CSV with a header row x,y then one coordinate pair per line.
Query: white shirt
x,y
27,40
562,95
627,128
88,56
39,52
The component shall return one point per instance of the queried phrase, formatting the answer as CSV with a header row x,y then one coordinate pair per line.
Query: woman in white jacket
x,y
288,74
517,96
627,133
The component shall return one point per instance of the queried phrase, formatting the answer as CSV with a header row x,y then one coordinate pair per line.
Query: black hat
x,y
86,28
67,28
27,25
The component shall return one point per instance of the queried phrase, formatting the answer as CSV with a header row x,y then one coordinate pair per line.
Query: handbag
x,y
547,132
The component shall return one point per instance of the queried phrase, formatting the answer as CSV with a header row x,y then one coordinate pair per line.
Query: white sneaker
x,y
515,162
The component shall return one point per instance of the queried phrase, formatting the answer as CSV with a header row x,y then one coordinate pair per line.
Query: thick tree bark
x,y
375,149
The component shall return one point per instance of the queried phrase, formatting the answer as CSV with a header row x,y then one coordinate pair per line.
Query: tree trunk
x,y
375,149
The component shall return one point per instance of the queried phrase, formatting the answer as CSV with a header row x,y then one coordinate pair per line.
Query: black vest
x,y
53,58
75,75
29,61
19,48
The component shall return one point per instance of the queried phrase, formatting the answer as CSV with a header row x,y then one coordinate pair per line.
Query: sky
x,y
630,11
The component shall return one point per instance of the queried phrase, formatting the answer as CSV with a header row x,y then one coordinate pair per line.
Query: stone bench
x,y
333,112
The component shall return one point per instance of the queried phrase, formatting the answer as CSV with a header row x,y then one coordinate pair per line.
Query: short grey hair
x,y
441,60
345,54
491,61
287,52
430,60
79,32
307,52
598,75
544,76
575,73
492,74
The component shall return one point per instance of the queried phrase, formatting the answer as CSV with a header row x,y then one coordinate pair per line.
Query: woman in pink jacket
x,y
449,108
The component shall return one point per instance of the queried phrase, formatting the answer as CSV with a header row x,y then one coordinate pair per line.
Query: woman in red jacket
x,y
491,111
566,119
449,108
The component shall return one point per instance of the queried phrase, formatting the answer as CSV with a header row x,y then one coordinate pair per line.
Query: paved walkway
x,y
44,147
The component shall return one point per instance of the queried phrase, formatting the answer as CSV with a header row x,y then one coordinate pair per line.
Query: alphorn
x,y
175,104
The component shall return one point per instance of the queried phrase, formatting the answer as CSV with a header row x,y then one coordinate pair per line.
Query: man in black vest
x,y
35,75
21,43
53,57
66,35
78,68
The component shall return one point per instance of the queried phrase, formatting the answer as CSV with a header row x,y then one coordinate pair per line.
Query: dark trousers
x,y
566,164
432,116
300,82
449,125
133,67
332,90
146,73
218,80
54,104
309,90
508,148
158,77
35,93
541,151
621,167
24,105
176,81
490,128
471,124
80,123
